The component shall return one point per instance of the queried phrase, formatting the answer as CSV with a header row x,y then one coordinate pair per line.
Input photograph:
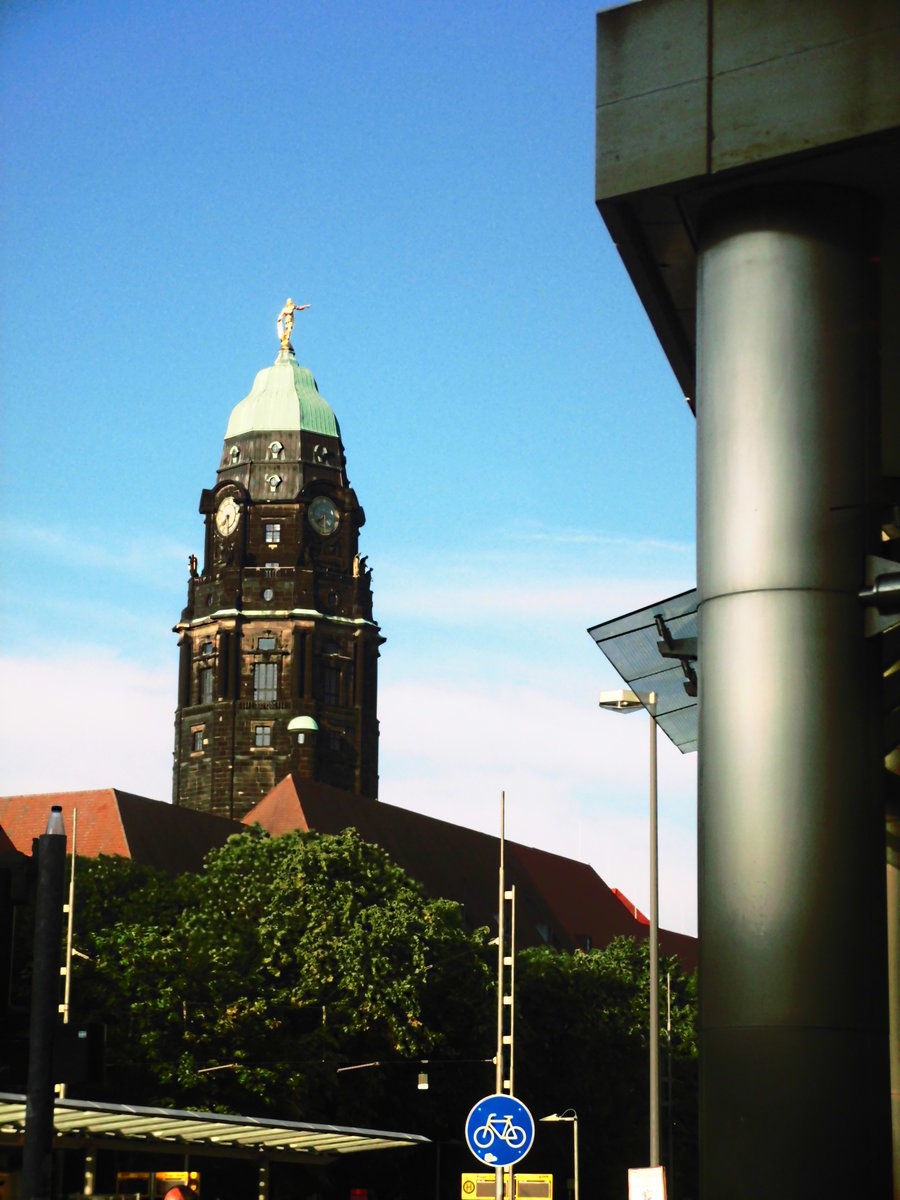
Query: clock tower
x,y
278,646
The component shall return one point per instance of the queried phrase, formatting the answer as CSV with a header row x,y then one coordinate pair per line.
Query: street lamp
x,y
626,702
569,1114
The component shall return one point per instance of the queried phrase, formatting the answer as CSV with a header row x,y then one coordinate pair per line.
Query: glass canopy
x,y
654,649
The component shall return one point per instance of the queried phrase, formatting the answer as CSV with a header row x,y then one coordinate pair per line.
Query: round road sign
x,y
499,1130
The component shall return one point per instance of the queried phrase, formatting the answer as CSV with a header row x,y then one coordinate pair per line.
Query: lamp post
x,y
570,1115
626,702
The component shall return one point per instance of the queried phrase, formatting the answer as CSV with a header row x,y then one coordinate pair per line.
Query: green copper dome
x,y
283,397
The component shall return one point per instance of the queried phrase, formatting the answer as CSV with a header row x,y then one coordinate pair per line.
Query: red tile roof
x,y
110,821
99,830
558,900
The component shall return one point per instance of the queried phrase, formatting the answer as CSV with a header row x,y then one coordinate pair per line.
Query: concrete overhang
x,y
699,97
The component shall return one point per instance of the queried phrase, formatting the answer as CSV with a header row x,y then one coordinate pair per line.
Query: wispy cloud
x,y
636,544
512,581
576,780
85,719
69,545
488,682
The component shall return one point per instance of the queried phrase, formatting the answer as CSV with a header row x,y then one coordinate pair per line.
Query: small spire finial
x,y
285,322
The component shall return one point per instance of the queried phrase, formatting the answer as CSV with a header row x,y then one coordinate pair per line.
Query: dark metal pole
x,y
37,1157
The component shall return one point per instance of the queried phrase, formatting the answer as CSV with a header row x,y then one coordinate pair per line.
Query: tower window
x,y
331,673
206,685
197,740
207,648
273,532
265,681
267,642
262,735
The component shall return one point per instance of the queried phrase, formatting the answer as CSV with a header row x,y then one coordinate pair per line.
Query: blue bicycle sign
x,y
499,1130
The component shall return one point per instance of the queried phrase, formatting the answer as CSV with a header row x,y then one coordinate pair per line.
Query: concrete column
x,y
794,1095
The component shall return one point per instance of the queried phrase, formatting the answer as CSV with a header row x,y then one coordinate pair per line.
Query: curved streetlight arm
x,y
570,1116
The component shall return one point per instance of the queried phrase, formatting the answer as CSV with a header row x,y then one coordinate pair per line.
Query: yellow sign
x,y
525,1186
153,1185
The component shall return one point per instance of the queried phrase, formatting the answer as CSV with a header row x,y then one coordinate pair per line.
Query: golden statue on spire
x,y
285,322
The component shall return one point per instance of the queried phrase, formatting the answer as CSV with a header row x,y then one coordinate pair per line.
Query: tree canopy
x,y
261,984
247,986
583,1042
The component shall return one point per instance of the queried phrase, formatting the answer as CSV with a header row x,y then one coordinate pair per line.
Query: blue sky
x,y
422,175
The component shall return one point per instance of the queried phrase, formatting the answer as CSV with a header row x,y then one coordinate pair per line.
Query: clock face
x,y
323,516
227,516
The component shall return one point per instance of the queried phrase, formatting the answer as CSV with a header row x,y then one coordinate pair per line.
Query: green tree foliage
x,y
582,1029
247,986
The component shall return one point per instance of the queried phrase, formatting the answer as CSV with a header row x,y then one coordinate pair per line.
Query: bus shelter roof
x,y
198,1131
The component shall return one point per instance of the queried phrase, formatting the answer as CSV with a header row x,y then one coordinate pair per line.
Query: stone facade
x,y
278,646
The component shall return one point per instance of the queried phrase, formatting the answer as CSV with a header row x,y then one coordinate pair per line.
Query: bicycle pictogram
x,y
497,1126
499,1130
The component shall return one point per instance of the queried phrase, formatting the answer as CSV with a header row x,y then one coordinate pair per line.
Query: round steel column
x,y
793,1010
